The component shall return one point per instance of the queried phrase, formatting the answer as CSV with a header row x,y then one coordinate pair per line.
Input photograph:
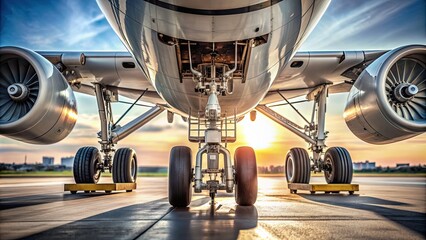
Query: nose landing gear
x,y
211,128
243,177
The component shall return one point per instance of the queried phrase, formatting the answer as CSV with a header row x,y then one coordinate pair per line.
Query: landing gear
x,y
214,129
125,166
336,162
245,176
180,176
338,165
90,162
86,165
297,166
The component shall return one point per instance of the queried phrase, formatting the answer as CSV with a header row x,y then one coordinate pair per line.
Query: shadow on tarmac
x,y
412,220
157,219
31,200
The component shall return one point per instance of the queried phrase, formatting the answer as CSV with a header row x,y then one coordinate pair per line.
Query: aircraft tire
x,y
297,166
180,176
245,176
339,164
124,166
86,162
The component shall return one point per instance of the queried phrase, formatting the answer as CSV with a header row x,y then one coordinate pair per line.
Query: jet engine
x,y
36,103
387,103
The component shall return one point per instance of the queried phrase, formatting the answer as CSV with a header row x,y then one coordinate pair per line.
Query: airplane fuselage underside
x,y
157,34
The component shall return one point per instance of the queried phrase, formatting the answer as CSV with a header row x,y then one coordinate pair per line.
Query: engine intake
x,y
388,100
36,103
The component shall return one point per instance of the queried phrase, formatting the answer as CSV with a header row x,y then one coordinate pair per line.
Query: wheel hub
x,y
328,169
98,170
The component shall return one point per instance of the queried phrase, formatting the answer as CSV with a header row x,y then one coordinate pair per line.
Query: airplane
x,y
212,63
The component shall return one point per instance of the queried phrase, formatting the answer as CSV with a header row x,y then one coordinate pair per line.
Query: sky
x,y
346,25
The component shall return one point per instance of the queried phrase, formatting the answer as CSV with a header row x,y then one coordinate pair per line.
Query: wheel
x,y
86,165
73,192
124,166
245,176
338,165
180,176
86,191
297,166
108,191
351,192
312,192
129,190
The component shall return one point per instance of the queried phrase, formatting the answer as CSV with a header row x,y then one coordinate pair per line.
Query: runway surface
x,y
385,208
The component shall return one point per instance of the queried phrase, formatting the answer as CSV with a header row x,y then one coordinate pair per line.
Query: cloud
x,y
365,25
56,25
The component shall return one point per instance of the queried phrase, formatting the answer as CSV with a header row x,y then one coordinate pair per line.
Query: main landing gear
x,y
214,124
335,162
89,162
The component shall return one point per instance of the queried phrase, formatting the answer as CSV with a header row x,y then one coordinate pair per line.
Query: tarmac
x,y
384,208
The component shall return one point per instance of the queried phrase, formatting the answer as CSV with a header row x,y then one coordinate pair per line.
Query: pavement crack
x,y
152,225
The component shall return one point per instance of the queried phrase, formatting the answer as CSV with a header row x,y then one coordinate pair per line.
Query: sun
x,y
258,134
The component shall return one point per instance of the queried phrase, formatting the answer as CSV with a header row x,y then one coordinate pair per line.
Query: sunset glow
x,y
258,134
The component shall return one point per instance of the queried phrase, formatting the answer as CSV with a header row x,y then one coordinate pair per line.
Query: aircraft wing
x,y
309,70
117,70
303,74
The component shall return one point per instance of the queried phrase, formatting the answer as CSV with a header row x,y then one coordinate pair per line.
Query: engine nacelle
x,y
36,103
388,100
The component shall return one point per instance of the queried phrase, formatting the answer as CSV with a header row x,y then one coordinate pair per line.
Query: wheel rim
x,y
290,168
329,173
19,88
406,90
133,169
97,173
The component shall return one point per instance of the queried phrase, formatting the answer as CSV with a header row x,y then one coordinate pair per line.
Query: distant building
x,y
67,161
48,161
364,165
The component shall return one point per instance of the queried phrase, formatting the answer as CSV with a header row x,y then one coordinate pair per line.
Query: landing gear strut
x,y
336,162
213,148
90,162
